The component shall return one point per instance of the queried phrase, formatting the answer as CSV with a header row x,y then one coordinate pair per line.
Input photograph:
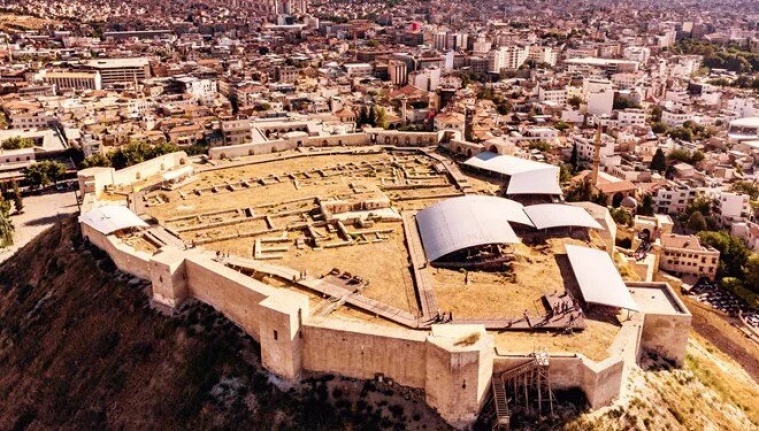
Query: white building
x,y
732,207
358,70
631,117
556,95
675,118
507,57
543,54
398,71
599,94
425,79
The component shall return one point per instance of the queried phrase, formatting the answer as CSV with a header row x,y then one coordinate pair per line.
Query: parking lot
x,y
40,213
710,293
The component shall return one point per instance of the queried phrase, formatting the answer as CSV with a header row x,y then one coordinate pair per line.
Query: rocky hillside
x,y
81,348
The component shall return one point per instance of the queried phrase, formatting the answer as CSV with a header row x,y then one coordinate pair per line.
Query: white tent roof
x,y
504,164
527,176
547,216
598,278
109,219
538,182
468,221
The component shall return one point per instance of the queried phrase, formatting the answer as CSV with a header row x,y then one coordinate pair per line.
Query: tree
x,y
646,207
363,117
733,253
371,117
655,116
561,126
17,143
18,200
697,222
574,101
621,217
574,159
6,225
751,277
41,174
699,205
658,127
681,133
95,160
381,118
659,162
746,187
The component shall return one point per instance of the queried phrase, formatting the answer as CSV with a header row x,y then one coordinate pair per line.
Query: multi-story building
x,y
118,70
80,80
683,255
507,57
631,117
675,118
732,207
556,95
543,54
425,79
398,71
287,75
358,70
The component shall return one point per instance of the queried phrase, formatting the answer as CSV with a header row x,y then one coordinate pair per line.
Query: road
x,y
40,213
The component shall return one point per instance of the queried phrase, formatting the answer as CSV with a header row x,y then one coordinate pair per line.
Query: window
x,y
276,335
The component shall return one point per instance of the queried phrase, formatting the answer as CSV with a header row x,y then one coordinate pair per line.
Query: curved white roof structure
x,y
538,182
547,216
468,221
526,176
598,278
109,219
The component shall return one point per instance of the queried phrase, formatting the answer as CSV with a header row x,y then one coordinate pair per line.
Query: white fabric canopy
x,y
547,216
598,278
526,176
109,219
468,221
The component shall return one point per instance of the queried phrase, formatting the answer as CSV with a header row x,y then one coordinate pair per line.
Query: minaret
x,y
596,156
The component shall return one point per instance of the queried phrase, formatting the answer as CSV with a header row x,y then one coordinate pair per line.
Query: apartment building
x,y
118,70
683,255
64,81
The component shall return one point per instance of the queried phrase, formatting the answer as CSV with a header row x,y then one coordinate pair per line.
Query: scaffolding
x,y
525,386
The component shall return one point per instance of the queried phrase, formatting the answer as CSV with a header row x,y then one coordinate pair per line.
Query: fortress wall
x,y
600,381
141,171
407,139
566,371
364,350
251,149
126,258
666,335
233,294
348,140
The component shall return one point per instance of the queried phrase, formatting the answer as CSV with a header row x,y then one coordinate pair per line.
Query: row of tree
x,y
371,116
131,154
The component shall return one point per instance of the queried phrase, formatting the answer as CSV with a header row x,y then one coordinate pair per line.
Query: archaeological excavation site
x,y
451,268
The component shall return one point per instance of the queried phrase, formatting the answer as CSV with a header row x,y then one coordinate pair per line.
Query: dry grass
x,y
711,392
593,342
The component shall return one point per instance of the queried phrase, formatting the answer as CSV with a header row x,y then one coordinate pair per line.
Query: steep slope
x,y
81,348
